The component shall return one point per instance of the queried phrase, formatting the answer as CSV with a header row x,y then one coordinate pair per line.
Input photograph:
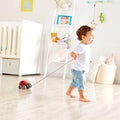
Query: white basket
x,y
106,74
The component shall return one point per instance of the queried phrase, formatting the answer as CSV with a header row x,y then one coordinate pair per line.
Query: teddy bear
x,y
54,37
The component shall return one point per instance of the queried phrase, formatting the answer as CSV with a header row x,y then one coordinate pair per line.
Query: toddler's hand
x,y
74,55
91,61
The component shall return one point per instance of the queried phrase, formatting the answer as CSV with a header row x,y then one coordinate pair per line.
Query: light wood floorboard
x,y
47,100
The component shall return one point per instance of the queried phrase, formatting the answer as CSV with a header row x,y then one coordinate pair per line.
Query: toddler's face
x,y
88,38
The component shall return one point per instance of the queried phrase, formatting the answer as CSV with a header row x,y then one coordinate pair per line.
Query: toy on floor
x,y
24,84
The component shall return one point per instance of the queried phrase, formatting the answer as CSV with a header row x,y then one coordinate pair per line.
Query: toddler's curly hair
x,y
83,31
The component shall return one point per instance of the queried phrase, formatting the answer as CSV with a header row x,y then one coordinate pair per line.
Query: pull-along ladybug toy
x,y
24,84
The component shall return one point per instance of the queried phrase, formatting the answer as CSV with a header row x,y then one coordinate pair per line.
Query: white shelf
x,y
66,9
61,30
58,43
62,25
59,62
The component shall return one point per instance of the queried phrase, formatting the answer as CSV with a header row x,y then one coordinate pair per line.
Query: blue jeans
x,y
78,79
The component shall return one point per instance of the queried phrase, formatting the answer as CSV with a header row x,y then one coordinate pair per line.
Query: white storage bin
x,y
106,74
11,66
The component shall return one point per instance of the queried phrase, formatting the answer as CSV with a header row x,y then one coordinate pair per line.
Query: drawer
x,y
10,66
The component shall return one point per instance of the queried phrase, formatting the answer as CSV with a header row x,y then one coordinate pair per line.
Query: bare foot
x,y
69,94
84,100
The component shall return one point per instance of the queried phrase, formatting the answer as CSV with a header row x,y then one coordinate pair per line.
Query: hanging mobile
x,y
101,17
93,20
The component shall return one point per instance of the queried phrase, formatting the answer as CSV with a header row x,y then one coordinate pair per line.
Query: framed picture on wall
x,y
26,5
64,19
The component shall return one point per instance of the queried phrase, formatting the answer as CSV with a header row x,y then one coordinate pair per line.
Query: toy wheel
x,y
19,86
27,86
23,87
30,85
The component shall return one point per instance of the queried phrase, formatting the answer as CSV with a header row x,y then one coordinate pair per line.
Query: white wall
x,y
11,10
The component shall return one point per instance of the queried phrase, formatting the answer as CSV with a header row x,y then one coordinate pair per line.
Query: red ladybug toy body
x,y
24,84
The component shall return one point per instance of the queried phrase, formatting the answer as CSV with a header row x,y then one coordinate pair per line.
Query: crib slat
x,y
9,40
18,40
13,40
4,40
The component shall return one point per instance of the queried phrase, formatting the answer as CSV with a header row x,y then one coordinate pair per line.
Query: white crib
x,y
20,47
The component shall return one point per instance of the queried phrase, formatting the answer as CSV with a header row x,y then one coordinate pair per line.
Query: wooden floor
x,y
47,100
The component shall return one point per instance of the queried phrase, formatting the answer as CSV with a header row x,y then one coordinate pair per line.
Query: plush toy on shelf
x,y
54,37
66,39
63,4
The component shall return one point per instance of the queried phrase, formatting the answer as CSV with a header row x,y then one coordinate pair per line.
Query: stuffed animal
x,y
54,37
66,39
63,3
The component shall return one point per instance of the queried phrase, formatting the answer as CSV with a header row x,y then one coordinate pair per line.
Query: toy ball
x,y
24,84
